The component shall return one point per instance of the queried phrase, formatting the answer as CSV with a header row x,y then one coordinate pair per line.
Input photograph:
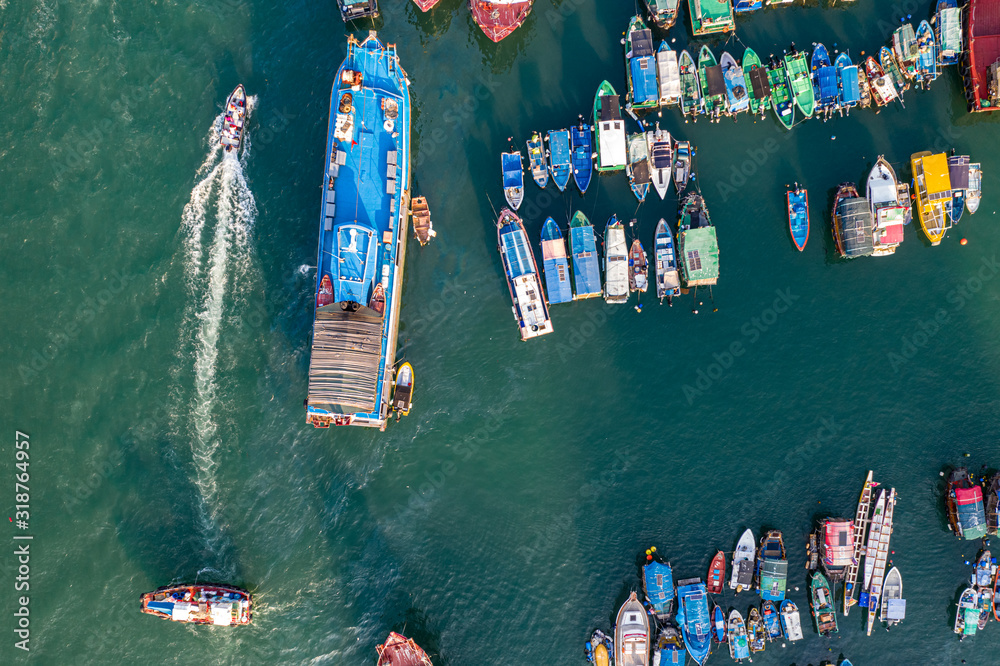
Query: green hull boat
x,y
800,83
713,85
690,90
781,100
750,62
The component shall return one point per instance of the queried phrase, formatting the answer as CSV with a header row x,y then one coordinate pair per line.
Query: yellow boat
x,y
402,396
601,657
932,190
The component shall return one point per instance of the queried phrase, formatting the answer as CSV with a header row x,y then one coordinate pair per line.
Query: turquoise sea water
x,y
157,311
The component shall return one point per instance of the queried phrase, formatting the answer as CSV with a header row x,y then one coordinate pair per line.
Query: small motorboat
x,y
693,617
743,561
582,144
982,571
638,274
663,12
974,193
231,135
402,394
967,615
640,66
985,606
891,67
555,264
791,623
847,83
756,633
658,584
616,273
632,634
719,629
739,646
560,162
583,248
220,605
958,173
426,5
826,89
927,60
499,18
661,162
713,84
716,574
798,215
772,567
771,622
668,280
637,166
882,89
513,178
682,165
612,146
893,605
423,228
966,512
799,82
536,159
355,9
758,82
599,648
781,96
669,75
690,86
398,650
993,504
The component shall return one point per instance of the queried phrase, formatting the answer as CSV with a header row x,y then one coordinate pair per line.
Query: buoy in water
x,y
963,241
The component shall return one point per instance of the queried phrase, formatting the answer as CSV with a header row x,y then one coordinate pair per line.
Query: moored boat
x,y
871,548
864,89
993,505
423,228
355,9
640,66
948,29
799,82
893,605
632,634
821,602
220,605
560,164
882,89
536,159
720,628
669,646
847,83
586,265
658,584
889,65
825,89
769,614
966,512
661,159
693,617
716,574
499,18
582,143
709,17
529,307
888,216
668,282
402,392
513,178
772,567
682,165
756,633
904,47
615,262
231,134
836,548
860,530
927,61
668,75
690,86
980,71
985,607
974,193
743,562
638,273
758,83
932,185
852,223
698,245
791,623
663,12
781,98
798,216
712,83
739,646
958,174
738,99
881,556
398,650
555,265
982,571
967,614
426,5
637,167
612,153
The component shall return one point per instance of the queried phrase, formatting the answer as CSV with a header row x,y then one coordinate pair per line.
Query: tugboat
x,y
220,605
232,126
499,18
398,650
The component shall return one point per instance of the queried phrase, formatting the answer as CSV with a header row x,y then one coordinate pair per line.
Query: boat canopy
x,y
659,586
716,81
971,621
661,157
850,90
838,543
971,512
905,43
936,180
744,573
354,268
828,90
855,227
759,82
512,173
610,108
958,172
951,33
669,76
559,148
555,264
517,252
586,271
644,87
895,609
700,259
882,189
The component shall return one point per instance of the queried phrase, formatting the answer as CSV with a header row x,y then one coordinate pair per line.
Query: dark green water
x,y
160,370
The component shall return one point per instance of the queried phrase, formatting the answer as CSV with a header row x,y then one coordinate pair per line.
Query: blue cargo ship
x,y
362,239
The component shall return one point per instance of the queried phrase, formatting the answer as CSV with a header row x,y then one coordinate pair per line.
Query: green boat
x,y
758,82
713,84
709,17
697,243
690,91
821,601
799,82
609,129
781,101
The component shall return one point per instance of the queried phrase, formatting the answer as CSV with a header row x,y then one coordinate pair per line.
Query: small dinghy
x,y
682,165
220,605
791,623
513,178
798,215
720,631
231,136
739,647
771,622
582,142
660,159
560,163
743,561
716,574
402,394
756,633
893,604
668,280
423,228
974,193
536,159
599,648
376,301
638,275
967,615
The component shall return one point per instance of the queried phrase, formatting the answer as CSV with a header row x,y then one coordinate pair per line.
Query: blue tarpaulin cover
x,y
643,80
586,272
659,586
512,173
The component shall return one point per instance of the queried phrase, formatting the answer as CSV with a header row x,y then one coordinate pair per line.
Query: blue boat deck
x,y
586,271
559,158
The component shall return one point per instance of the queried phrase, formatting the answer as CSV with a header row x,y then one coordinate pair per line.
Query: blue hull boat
x,y
744,6
847,83
824,75
560,165
513,178
736,84
586,265
693,616
658,578
362,233
927,64
798,216
582,141
554,264
530,309
668,281
536,159
719,624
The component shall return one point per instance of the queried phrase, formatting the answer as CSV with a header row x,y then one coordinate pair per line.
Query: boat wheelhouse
x,y
362,239
555,265
640,66
658,579
966,512
529,306
932,193
612,153
499,18
981,69
709,17
219,605
663,12
398,650
698,245
586,265
852,223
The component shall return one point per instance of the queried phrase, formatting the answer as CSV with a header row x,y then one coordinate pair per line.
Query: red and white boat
x,y
426,5
221,605
499,18
398,650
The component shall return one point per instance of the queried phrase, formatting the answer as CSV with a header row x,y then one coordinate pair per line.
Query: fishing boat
x,y
798,215
709,17
692,615
536,159
632,634
756,633
668,282
812,551
690,86
658,584
958,173
758,83
769,614
791,623
402,392
864,89
772,567
932,183
682,165
600,647
668,74
888,216
355,9
638,273
426,5
826,92
231,134
743,562
560,163
615,262
737,96
423,228
974,193
712,83
927,61
661,159
967,616
720,629
529,307
966,513
852,223
612,153
799,82
881,556
882,89
398,650
847,83
583,248
781,98
948,28
637,167
555,265
889,65
993,505
745,6
716,574
893,605
821,602
582,144
985,607
904,47
221,605
663,12
499,18
363,220
640,66
739,646
860,529
697,245
982,571
513,178
836,548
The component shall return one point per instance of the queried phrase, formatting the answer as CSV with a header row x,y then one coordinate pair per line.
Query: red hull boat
x,y
499,18
716,574
426,4
398,650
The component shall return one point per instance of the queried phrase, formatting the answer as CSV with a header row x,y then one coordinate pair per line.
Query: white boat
x,y
888,217
873,535
791,623
231,136
661,159
893,603
742,575
967,616
632,634
615,262
669,75
860,528
881,555
974,193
